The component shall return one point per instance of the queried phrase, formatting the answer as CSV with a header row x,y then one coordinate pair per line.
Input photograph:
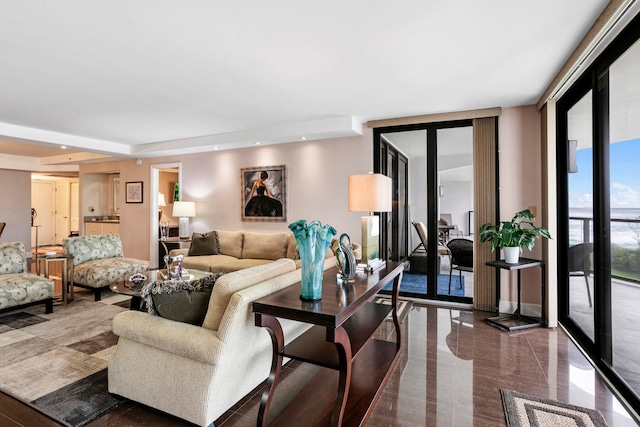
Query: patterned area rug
x,y
57,362
522,410
417,284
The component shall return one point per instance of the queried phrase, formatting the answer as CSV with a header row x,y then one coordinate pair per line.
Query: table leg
x,y
65,296
394,302
517,313
343,345
544,292
277,340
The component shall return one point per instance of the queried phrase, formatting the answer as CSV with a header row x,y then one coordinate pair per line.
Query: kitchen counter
x,y
96,225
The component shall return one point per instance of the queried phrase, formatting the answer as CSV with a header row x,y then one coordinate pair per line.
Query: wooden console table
x,y
517,320
344,321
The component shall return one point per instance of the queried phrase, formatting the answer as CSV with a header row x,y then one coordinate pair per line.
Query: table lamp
x,y
184,211
370,193
161,204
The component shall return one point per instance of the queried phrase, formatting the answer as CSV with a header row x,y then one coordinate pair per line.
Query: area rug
x,y
403,310
522,410
57,362
417,284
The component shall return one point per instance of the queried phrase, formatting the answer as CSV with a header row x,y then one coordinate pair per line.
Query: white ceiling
x,y
124,77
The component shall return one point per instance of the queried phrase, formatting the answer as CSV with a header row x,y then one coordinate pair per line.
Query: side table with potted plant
x,y
511,236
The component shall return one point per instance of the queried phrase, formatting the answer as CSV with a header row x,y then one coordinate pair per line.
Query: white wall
x,y
15,208
458,201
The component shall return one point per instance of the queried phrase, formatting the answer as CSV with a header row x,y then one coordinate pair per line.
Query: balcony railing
x,y
625,244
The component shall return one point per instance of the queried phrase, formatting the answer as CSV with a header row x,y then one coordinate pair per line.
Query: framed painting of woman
x,y
263,195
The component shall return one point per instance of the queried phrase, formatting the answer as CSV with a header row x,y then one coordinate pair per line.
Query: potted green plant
x,y
512,235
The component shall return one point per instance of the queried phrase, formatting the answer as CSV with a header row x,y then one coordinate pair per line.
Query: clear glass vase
x,y
314,240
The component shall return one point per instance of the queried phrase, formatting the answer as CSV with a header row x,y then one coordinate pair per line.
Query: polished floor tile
x,y
450,371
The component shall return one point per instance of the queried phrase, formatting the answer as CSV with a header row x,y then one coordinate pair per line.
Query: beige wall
x,y
521,188
15,207
317,174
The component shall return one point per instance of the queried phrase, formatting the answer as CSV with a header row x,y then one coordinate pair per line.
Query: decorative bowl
x,y
138,278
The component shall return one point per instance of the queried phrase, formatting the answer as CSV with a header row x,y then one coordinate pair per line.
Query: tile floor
x,y
449,373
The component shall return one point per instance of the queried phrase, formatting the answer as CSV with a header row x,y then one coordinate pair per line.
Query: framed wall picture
x,y
133,192
263,193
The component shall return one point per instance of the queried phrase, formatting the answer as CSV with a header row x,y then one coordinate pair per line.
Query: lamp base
x,y
370,238
183,227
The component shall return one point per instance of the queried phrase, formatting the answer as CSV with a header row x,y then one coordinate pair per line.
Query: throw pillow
x,y
204,244
180,300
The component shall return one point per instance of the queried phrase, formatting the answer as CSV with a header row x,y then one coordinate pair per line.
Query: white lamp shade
x,y
161,201
184,209
369,193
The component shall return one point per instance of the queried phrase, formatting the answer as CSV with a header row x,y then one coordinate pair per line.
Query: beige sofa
x,y
198,372
244,249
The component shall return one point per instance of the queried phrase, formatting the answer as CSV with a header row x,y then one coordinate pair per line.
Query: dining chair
x,y
461,251
580,263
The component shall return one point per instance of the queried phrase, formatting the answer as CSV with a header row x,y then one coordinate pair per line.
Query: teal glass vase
x,y
314,240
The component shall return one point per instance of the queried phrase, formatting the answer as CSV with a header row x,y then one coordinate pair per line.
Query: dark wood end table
x,y
344,321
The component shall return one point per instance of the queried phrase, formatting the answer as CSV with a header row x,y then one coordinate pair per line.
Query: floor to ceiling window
x,y
599,219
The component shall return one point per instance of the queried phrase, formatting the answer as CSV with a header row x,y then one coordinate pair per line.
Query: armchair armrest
x,y
190,341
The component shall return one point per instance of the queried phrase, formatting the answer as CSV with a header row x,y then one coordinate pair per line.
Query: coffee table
x,y
125,287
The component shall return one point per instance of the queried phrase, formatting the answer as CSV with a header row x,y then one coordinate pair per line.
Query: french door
x,y
598,145
431,167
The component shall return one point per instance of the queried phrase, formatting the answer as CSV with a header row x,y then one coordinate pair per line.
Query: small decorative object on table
x,y
174,266
136,280
313,241
346,260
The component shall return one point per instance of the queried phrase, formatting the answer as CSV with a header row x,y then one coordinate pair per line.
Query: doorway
x,y
54,201
431,166
163,182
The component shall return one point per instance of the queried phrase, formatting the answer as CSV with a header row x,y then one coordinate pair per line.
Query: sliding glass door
x,y
599,211
432,169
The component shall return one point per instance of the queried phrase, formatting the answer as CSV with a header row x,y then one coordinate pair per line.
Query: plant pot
x,y
511,254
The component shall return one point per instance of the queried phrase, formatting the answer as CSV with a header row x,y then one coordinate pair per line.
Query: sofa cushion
x,y
271,246
204,244
206,262
230,265
18,289
230,242
104,272
89,248
292,247
230,283
179,300
13,258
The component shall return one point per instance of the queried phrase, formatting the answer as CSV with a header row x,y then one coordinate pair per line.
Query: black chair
x,y
580,263
461,251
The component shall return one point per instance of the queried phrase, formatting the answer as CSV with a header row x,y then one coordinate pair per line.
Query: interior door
x,y
74,207
42,200
62,211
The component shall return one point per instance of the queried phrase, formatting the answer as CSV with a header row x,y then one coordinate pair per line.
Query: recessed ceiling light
x,y
215,148
64,147
257,142
304,138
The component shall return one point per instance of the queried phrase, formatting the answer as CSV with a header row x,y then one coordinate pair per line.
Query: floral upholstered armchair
x,y
99,261
18,287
